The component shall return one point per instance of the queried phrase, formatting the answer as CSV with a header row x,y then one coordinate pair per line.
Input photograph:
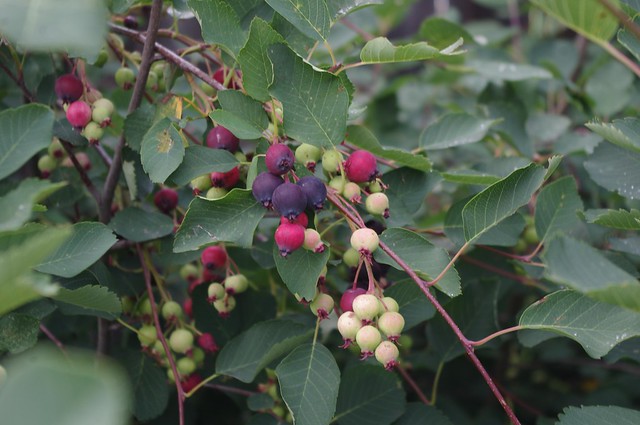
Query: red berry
x,y
220,75
166,200
79,114
69,88
190,382
221,138
208,343
301,219
346,302
213,257
289,237
263,187
187,306
226,180
279,159
361,167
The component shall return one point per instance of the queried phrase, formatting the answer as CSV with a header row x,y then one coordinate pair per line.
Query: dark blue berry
x,y
279,159
315,191
263,186
289,200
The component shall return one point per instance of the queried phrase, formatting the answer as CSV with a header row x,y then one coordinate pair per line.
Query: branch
x,y
82,172
624,19
413,384
20,82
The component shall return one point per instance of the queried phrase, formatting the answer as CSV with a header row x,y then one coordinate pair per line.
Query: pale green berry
x,y
365,240
387,354
171,310
368,338
236,284
93,132
391,324
348,325
147,335
186,366
366,307
337,183
201,184
351,257
322,305
181,340
388,304
331,160
378,204
215,292
351,192
216,193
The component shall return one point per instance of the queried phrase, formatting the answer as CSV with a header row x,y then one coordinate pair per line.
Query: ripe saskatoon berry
x,y
279,159
365,240
289,200
236,284
351,191
166,200
360,167
315,191
312,241
348,326
46,164
308,155
171,310
227,179
201,184
346,302
388,304
78,114
301,219
131,21
391,324
93,132
215,292
368,338
208,343
68,88
289,237
387,354
181,341
331,161
190,382
378,204
225,306
221,138
147,335
213,257
366,307
322,305
185,366
263,187
124,78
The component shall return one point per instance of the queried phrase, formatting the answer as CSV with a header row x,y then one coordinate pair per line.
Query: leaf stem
x,y
413,384
495,335
126,325
436,383
451,263
53,338
621,57
201,384
625,20
82,172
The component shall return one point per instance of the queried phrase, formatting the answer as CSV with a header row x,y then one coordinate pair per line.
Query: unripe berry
x,y
368,338
337,183
351,257
124,78
301,219
391,324
331,160
236,284
346,302
208,343
131,21
388,304
279,159
185,366
102,111
181,341
171,310
315,191
289,237
221,138
387,354
214,257
225,306
158,68
68,88
375,186
227,179
197,354
56,150
201,184
144,307
152,82
93,132
365,240
46,164
366,307
216,193
312,241
166,200
361,166
308,155
351,192
322,305
378,204
215,292
289,200
78,114
263,187
348,326
147,335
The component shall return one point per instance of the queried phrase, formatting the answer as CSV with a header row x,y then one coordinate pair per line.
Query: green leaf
x,y
16,206
18,332
629,40
92,300
149,384
161,151
469,177
500,200
311,17
300,270
508,71
363,138
248,353
381,50
621,219
414,306
545,128
441,33
587,17
418,413
44,26
233,218
369,395
407,191
557,205
309,379
199,160
454,130
615,169
427,260
138,123
624,133
25,130
598,415
219,24
241,115
580,266
595,325
340,8
88,242
257,70
260,401
314,102
138,225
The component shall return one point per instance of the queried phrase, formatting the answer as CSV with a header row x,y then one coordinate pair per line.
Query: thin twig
x,y
621,57
495,335
624,19
497,270
20,82
232,390
353,27
413,384
103,155
53,338
82,172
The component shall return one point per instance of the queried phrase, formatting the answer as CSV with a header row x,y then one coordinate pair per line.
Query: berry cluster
x,y
222,295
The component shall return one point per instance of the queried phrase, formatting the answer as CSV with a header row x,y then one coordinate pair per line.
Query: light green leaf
x,y
311,17
233,218
381,50
598,415
418,413
25,130
500,200
340,8
363,138
315,103
199,160
90,300
138,225
161,151
469,177
414,306
621,219
615,169
149,384
300,270
630,41
309,379
454,130
241,115
18,332
248,353
88,242
441,33
508,71
597,326
557,205
427,260
624,133
16,206
545,128
219,24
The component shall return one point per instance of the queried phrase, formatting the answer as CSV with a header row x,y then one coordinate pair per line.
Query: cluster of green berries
x,y
222,295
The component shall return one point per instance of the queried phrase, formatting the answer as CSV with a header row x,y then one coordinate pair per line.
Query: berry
x,y
375,186
216,193
263,187
312,241
337,183
289,200
214,257
391,324
79,114
171,310
331,161
158,68
102,111
152,82
289,237
181,340
147,335
201,184
187,306
208,343
221,138
103,57
351,257
378,204
215,292
166,200
322,305
220,75
360,167
46,164
185,366
227,179
190,382
366,307
93,132
236,284
308,155
131,21
351,191
387,354
124,78
197,354
144,307
368,338
56,150
315,191
225,306
68,88
348,326
365,240
279,159
301,219
388,304
346,302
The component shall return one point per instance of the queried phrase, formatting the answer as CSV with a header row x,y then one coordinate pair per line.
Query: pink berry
x,y
279,159
346,302
361,167
301,219
387,354
221,138
214,257
221,74
190,382
289,237
227,179
312,241
68,88
166,200
208,343
79,114
187,306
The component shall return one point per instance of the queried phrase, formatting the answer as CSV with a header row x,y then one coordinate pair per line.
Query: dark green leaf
x,y
300,270
441,33
311,17
241,115
149,383
138,225
598,415
162,150
407,191
615,169
219,24
260,401
137,124
89,300
454,130
418,413
620,219
16,206
414,306
556,208
624,133
18,332
199,160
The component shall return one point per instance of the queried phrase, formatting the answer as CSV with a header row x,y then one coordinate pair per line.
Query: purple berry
x,y
315,191
263,187
279,159
289,200
221,138
166,200
68,88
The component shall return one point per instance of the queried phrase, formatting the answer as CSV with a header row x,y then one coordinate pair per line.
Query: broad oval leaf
x,y
199,160
407,190
381,50
557,206
240,114
508,71
149,384
598,415
624,133
414,306
454,130
616,169
418,413
300,270
309,380
620,219
16,206
92,300
311,17
162,150
138,225
219,24
340,8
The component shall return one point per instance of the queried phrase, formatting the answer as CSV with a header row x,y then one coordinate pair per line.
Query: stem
x,y
82,172
413,384
231,389
521,279
353,27
446,269
495,335
201,384
617,54
103,155
20,82
126,325
436,383
53,338
625,20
